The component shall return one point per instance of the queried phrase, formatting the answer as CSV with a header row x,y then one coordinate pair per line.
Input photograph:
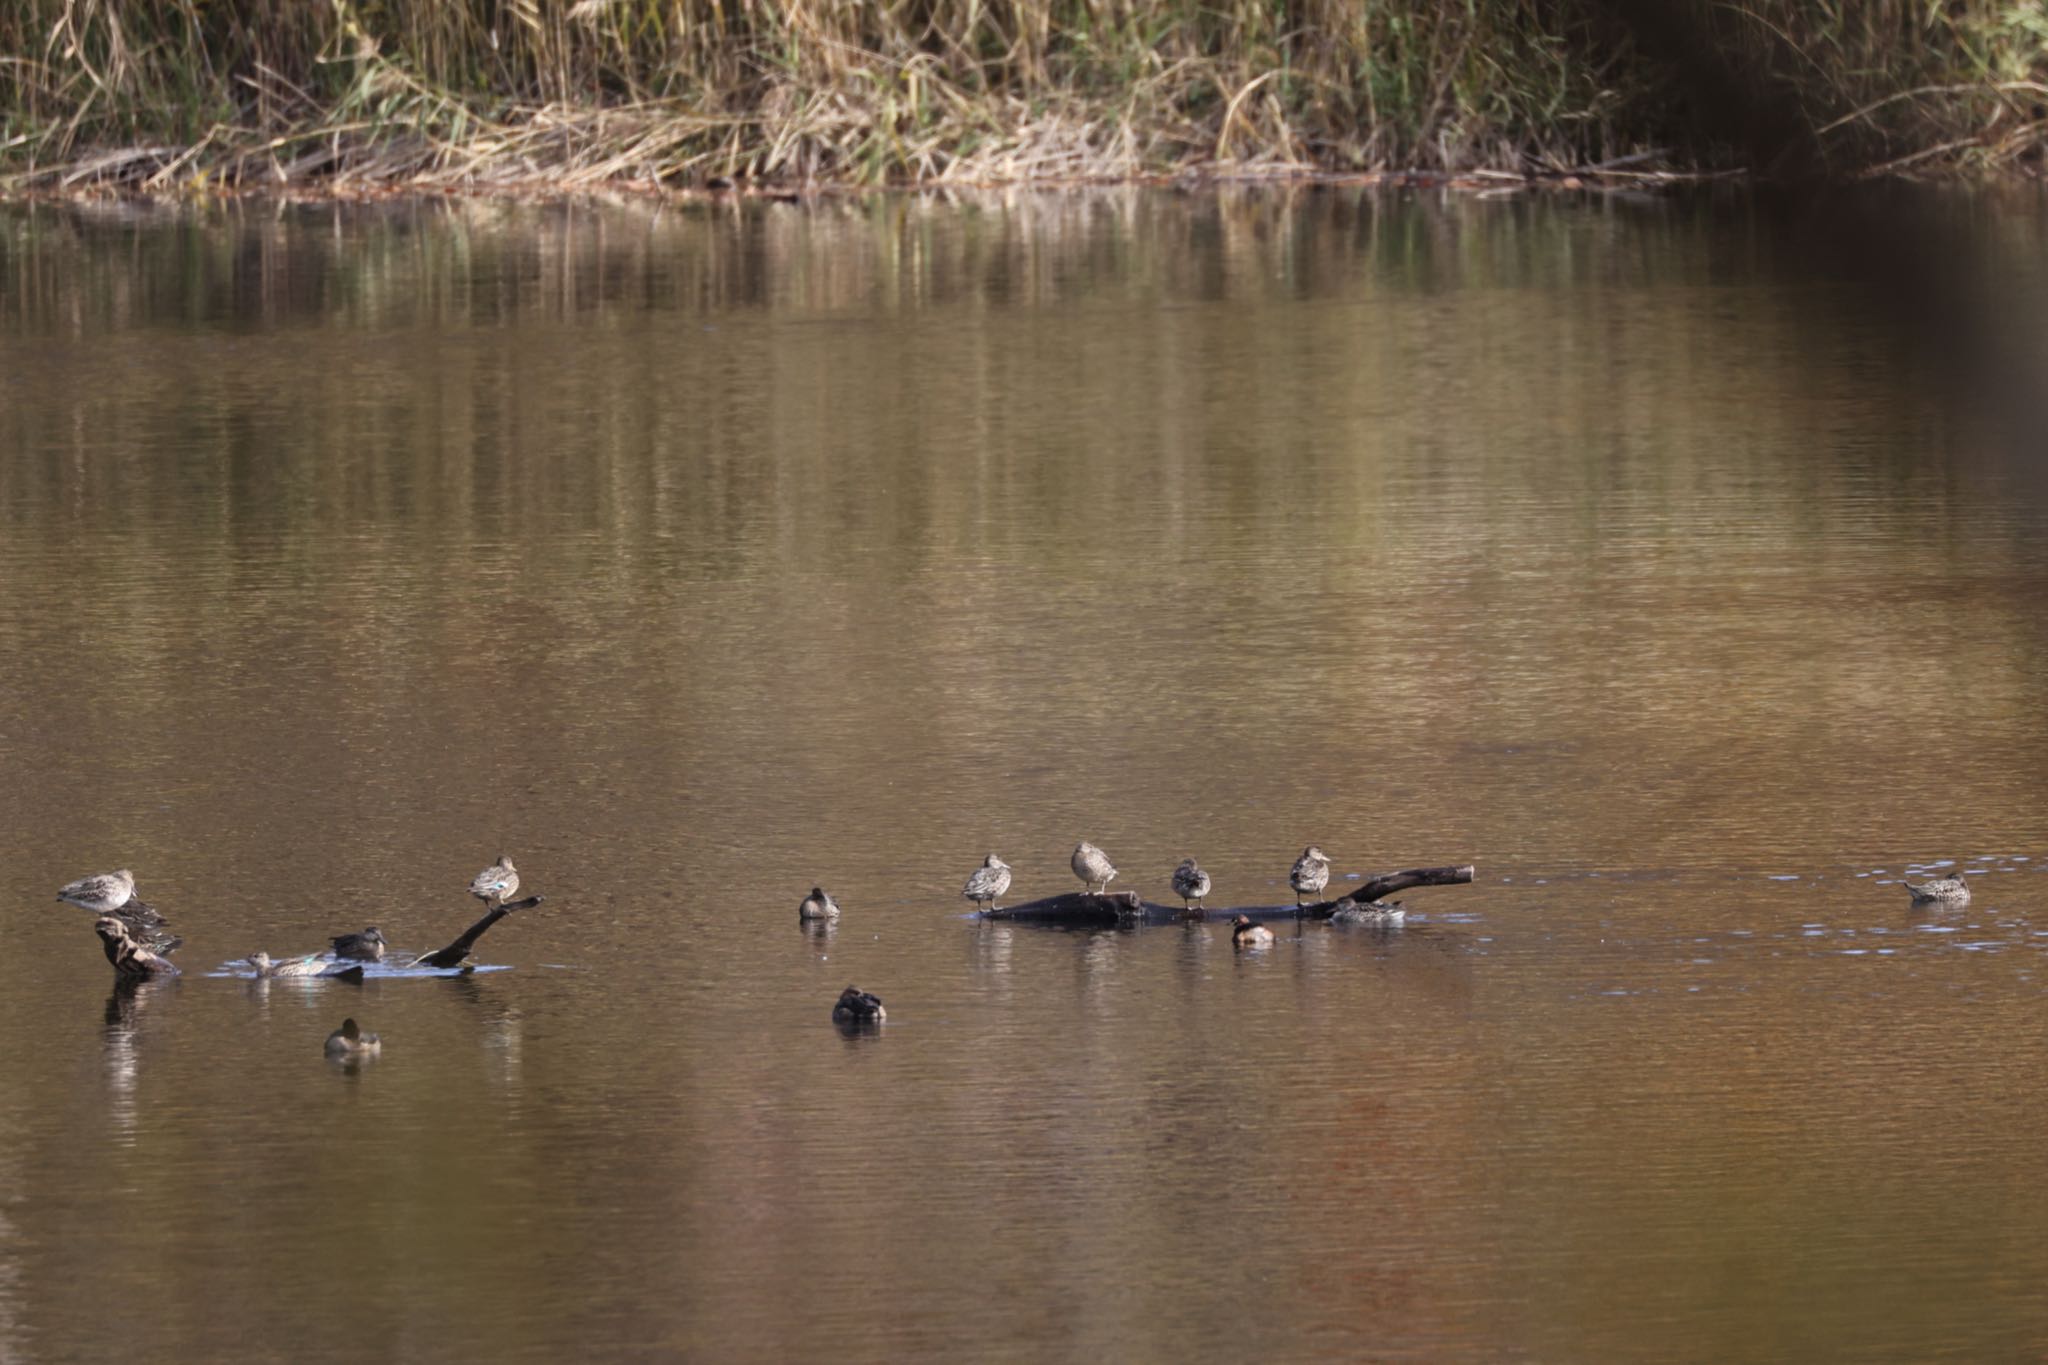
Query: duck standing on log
x,y
1310,874
143,941
495,883
1190,883
987,883
1093,867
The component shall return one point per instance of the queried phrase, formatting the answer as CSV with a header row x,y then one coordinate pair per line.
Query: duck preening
x,y
1093,867
1246,934
496,882
311,965
1949,890
857,1006
987,883
132,959
350,1041
1310,873
368,946
818,905
1190,883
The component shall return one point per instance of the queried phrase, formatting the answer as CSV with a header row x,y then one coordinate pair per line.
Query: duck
x,y
987,883
368,946
113,893
133,959
1245,934
856,1006
1310,873
496,883
102,892
818,905
311,965
1092,866
350,1041
1190,883
1949,890
1368,912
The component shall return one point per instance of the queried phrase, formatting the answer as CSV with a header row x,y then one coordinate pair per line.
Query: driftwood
x,y
1128,907
455,953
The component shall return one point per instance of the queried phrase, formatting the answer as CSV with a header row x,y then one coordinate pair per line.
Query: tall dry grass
x,y
171,93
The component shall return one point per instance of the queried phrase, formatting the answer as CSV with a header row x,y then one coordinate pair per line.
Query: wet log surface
x,y
1128,907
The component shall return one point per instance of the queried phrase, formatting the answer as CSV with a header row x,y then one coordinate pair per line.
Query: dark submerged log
x,y
1127,907
455,953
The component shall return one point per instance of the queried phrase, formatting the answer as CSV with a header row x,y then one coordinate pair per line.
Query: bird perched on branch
x,y
1190,883
113,894
987,883
132,960
496,883
102,893
1310,874
1093,867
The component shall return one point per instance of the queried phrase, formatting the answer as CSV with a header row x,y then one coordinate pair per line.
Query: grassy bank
x,y
357,94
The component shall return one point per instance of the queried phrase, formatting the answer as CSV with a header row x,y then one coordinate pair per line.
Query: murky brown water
x,y
699,557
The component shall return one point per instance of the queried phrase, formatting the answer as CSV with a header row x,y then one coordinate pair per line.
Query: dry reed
x,y
359,94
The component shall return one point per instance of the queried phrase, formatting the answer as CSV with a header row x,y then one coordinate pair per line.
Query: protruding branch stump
x,y
455,953
1128,907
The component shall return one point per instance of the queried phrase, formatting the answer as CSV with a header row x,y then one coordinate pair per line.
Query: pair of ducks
x,y
1309,875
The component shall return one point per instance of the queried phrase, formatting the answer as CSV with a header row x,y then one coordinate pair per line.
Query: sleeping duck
x,y
857,1006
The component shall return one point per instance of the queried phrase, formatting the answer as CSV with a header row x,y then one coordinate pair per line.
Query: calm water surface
x,y
698,556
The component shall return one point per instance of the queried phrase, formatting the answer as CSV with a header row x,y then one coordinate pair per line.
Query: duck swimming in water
x,y
1310,873
987,883
368,946
1245,934
1093,867
856,1006
1949,890
1190,883
313,965
350,1041
495,883
1368,912
818,905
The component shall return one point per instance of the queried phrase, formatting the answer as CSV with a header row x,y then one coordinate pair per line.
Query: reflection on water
x,y
697,557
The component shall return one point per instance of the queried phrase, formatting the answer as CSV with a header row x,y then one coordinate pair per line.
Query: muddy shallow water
x,y
698,557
